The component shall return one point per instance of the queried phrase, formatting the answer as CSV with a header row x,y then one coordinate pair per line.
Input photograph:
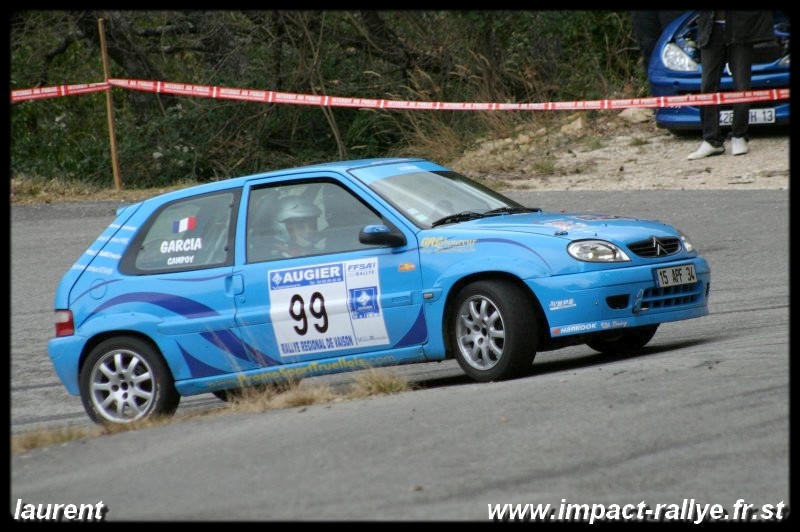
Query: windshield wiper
x,y
471,215
457,217
511,210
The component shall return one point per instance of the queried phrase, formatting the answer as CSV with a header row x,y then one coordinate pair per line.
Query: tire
x,y
493,331
625,341
124,379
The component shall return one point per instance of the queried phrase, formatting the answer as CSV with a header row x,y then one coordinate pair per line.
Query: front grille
x,y
656,247
672,296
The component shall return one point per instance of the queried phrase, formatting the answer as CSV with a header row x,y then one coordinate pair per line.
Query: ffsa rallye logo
x,y
294,277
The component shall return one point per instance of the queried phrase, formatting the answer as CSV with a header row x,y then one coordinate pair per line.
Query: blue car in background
x,y
674,70
350,265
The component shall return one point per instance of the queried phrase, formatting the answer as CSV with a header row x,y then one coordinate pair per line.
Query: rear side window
x,y
188,234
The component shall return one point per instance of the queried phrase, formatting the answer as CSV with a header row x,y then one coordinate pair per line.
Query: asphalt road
x,y
702,414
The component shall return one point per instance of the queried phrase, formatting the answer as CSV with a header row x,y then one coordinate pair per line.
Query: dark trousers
x,y
713,58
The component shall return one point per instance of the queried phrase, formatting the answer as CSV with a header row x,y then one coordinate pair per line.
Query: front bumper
x,y
688,117
621,298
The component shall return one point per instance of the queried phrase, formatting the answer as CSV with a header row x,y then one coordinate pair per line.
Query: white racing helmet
x,y
294,208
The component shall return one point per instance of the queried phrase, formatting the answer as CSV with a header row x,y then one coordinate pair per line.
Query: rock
x,y
636,115
574,127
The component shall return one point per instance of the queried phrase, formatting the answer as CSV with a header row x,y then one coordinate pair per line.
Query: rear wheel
x,y
494,330
124,379
625,341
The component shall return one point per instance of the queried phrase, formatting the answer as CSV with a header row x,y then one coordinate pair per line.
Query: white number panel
x,y
327,307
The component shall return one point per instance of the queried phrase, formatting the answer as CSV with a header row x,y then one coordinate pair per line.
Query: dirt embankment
x,y
624,151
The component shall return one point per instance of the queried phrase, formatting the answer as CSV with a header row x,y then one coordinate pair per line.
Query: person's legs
x,y
741,61
712,58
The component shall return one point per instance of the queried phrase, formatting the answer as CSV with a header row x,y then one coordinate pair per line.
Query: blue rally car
x,y
349,265
674,70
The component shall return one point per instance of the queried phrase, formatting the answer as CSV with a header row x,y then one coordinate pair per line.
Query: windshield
x,y
428,197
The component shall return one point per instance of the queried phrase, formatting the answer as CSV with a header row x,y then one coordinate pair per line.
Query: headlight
x,y
596,251
687,244
675,58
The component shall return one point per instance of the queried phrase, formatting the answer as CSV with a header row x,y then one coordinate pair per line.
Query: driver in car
x,y
296,219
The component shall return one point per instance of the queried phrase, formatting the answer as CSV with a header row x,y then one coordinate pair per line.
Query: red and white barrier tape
x,y
21,95
255,95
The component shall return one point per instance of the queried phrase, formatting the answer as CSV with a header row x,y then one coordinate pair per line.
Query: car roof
x,y
235,182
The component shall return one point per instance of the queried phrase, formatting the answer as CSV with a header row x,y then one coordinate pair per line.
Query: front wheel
x,y
625,341
124,379
494,330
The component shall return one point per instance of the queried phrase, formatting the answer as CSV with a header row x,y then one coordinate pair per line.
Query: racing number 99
x,y
299,314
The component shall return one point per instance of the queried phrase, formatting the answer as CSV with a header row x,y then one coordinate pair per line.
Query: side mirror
x,y
381,235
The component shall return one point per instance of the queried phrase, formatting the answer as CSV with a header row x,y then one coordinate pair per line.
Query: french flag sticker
x,y
186,224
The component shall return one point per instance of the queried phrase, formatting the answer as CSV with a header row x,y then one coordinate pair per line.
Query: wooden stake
x,y
109,110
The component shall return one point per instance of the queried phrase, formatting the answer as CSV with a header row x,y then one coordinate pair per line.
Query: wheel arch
x,y
95,340
450,303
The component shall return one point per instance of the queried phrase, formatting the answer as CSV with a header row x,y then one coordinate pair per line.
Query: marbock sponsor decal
x,y
441,244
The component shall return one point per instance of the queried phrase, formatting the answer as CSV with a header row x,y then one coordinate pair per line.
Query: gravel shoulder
x,y
624,151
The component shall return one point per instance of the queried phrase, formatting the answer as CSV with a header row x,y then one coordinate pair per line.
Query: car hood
x,y
571,226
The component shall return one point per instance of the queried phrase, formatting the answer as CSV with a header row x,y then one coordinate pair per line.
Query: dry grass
x,y
35,190
366,383
47,437
379,382
252,399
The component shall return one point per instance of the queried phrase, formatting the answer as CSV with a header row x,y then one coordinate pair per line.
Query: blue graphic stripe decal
x,y
232,344
417,334
183,306
197,368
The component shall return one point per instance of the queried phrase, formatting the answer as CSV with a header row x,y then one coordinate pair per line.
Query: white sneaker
x,y
738,146
706,150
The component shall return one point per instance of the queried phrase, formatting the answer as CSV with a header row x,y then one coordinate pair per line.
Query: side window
x,y
188,234
345,216
298,220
